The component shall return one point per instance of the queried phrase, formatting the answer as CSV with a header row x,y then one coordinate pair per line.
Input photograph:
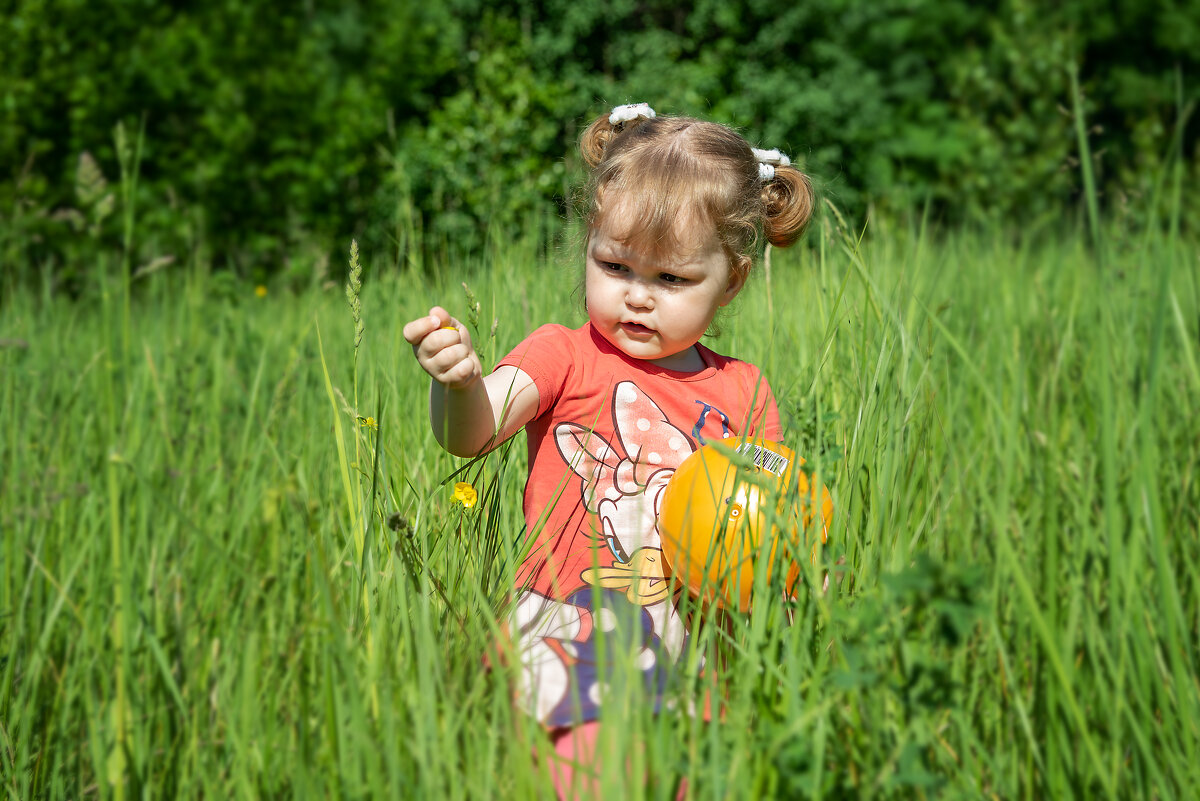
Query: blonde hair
x,y
684,170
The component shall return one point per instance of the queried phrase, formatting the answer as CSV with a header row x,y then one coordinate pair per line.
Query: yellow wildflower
x,y
465,494
260,291
368,422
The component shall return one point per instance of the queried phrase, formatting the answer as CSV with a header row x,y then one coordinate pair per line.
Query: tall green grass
x,y
218,580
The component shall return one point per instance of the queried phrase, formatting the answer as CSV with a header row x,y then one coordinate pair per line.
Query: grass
x,y
216,581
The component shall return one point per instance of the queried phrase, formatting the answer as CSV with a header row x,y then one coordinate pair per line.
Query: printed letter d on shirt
x,y
696,429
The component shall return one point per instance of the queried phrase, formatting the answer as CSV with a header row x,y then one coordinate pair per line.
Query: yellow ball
x,y
721,503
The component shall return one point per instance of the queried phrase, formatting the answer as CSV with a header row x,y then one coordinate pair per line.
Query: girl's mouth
x,y
636,330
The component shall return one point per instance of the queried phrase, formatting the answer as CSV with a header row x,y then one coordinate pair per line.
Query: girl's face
x,y
655,309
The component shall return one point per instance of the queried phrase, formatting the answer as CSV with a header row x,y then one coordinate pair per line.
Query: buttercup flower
x,y
260,291
465,494
368,422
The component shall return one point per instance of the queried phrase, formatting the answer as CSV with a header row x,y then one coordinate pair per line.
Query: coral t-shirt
x,y
608,434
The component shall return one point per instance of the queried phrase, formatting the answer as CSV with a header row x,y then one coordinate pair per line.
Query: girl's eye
x,y
667,278
612,266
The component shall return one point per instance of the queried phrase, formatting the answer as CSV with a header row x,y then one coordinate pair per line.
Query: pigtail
x,y
788,201
596,139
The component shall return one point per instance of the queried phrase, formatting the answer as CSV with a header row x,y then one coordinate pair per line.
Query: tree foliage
x,y
268,123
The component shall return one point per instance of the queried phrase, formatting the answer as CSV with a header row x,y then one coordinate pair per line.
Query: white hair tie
x,y
767,160
630,112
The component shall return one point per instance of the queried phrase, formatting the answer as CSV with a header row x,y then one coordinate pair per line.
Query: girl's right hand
x,y
443,349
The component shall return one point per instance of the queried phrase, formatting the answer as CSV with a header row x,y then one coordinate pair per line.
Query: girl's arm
x,y
470,413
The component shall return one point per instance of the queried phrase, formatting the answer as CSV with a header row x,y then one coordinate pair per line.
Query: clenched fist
x,y
443,349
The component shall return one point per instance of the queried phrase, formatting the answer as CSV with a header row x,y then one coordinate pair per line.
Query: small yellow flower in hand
x,y
465,494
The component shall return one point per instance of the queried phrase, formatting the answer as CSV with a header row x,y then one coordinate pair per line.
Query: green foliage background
x,y
271,132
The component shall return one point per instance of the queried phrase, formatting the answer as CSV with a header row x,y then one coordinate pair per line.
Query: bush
x,y
265,117
272,128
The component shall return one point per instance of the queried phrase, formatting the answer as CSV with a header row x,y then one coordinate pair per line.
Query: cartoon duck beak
x,y
648,585
641,577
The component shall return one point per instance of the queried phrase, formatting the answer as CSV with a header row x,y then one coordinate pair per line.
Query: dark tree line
x,y
266,127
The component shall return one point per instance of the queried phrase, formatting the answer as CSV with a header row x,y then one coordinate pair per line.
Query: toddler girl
x,y
611,409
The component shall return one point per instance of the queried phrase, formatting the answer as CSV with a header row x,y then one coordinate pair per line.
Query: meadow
x,y
233,565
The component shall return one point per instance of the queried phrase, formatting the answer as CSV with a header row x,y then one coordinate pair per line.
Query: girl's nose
x,y
638,296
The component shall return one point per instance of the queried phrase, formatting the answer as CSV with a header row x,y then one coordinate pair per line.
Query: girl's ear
x,y
737,279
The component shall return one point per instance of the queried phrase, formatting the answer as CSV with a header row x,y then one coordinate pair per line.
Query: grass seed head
x,y
353,293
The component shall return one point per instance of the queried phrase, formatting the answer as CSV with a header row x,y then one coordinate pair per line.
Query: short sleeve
x,y
766,412
547,356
